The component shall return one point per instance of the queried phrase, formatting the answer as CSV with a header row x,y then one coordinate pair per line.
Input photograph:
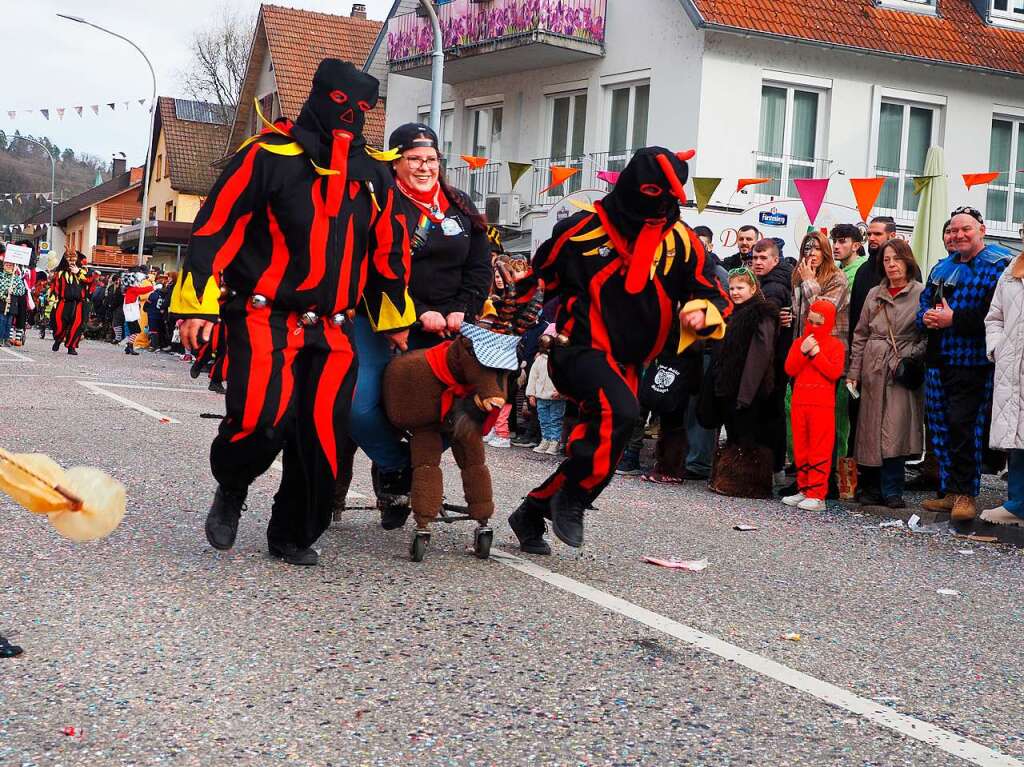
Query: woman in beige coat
x,y
1004,337
890,427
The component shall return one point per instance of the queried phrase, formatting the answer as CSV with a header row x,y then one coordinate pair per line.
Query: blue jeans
x,y
368,423
550,413
5,327
1015,465
891,477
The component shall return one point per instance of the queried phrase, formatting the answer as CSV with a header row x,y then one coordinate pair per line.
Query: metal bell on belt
x,y
338,319
309,318
258,301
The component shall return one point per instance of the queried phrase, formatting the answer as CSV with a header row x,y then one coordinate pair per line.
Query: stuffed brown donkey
x,y
444,391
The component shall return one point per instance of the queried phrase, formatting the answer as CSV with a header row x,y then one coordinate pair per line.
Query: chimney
x,y
358,10
118,166
136,176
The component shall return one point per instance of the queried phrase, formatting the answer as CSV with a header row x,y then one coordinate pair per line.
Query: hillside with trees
x,y
25,168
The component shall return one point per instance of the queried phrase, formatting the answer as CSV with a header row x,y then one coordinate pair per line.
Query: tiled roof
x,y
65,210
958,35
192,144
299,40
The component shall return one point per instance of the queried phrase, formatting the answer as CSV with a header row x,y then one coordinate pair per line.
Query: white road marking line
x,y
97,388
17,355
352,494
155,388
944,740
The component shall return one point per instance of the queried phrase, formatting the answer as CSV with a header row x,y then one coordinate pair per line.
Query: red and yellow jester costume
x,y
68,284
624,270
297,230
815,366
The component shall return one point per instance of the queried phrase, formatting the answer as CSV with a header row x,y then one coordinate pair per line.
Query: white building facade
x,y
752,102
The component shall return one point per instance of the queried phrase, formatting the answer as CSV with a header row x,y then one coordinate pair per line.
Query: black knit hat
x,y
413,135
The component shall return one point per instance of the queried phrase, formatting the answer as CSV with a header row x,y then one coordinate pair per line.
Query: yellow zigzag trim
x,y
289,150
378,154
712,319
583,205
390,318
593,234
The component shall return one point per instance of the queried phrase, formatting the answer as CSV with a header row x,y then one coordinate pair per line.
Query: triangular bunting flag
x,y
866,191
28,111
60,113
609,176
125,105
474,163
45,113
743,183
142,102
79,110
559,174
704,188
111,105
976,179
11,114
812,194
17,199
95,108
921,183
516,170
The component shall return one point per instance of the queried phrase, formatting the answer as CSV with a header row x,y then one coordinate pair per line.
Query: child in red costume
x,y
815,362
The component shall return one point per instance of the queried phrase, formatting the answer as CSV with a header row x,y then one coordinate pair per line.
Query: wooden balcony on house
x,y
485,39
112,256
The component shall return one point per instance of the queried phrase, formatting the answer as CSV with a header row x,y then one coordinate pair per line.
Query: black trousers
x,y
673,444
290,389
606,397
957,405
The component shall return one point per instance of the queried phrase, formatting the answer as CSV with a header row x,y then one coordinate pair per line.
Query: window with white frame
x,y
568,127
1005,204
789,137
627,122
917,6
485,125
1008,9
445,135
905,133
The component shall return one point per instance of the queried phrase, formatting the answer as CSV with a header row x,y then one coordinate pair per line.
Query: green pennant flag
x,y
516,170
920,182
704,188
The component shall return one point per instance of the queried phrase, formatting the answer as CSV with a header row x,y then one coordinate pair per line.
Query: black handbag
x,y
909,372
664,385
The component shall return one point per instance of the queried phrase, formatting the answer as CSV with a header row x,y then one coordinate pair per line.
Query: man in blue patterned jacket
x,y
958,384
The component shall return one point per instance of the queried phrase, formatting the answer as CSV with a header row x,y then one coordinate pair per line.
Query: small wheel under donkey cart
x,y
418,548
483,535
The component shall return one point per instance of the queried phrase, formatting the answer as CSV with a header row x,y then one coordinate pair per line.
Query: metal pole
x,y
436,68
144,219
53,179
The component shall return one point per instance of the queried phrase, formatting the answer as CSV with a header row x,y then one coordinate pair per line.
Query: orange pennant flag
x,y
866,191
475,163
976,179
743,183
558,176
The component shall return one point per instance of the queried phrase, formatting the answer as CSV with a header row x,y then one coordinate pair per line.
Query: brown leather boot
x,y
939,504
964,509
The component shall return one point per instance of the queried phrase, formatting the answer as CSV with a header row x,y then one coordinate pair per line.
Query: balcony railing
x,y
783,170
476,183
469,24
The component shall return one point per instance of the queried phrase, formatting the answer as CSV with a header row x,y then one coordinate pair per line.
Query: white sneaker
x,y
1000,516
779,478
542,447
811,504
500,442
489,436
794,500
554,448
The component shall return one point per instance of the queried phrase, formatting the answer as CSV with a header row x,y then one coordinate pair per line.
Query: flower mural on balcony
x,y
466,23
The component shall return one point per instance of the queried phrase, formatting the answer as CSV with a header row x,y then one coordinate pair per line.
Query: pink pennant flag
x,y
812,194
79,110
609,176
60,113
95,108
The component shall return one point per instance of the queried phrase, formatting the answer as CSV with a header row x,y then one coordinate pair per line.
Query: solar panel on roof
x,y
199,112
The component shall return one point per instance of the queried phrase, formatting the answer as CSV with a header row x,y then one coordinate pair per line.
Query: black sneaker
x,y
567,518
294,555
870,498
130,350
524,442
222,520
217,387
8,650
629,465
896,502
72,352
393,489
56,345
527,522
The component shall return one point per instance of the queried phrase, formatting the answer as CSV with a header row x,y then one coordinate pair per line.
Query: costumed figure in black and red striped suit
x,y
69,287
626,270
296,232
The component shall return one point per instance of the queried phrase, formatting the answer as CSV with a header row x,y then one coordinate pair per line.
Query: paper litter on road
x,y
914,523
745,528
965,552
791,637
892,523
948,592
691,565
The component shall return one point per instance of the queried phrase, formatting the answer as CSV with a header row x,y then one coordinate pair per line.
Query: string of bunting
x,y
80,110
17,196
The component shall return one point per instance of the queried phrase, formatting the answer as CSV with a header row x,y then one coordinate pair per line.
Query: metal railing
x,y
783,170
467,23
476,183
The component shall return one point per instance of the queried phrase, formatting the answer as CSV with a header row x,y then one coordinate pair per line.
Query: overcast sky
x,y
49,63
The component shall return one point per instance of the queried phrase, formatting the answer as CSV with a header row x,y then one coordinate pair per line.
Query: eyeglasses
x,y
423,162
743,271
969,211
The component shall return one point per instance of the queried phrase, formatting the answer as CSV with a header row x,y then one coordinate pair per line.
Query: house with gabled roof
x,y
781,89
286,49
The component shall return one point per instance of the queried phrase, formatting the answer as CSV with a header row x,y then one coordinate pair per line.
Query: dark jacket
x,y
735,261
777,287
749,349
867,277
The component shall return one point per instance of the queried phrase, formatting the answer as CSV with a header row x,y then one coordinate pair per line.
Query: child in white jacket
x,y
543,396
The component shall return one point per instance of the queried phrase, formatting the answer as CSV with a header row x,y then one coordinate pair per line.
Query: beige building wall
x,y
160,191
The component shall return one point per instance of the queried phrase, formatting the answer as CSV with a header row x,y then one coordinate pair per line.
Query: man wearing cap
x,y
298,232
627,269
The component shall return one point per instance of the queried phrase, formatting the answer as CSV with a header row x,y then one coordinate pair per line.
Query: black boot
x,y
8,650
222,521
56,345
527,522
567,518
217,387
292,554
130,349
72,352
393,497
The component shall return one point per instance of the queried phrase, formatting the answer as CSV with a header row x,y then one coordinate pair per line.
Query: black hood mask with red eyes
x,y
330,124
643,205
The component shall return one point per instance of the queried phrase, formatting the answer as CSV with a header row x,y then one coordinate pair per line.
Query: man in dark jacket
x,y
746,237
776,280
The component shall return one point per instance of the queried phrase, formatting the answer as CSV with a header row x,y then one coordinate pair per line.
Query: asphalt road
x,y
157,649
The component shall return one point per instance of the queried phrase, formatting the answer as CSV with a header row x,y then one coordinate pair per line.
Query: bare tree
x,y
220,51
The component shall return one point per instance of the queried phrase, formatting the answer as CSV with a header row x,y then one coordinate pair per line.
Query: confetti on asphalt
x,y
965,552
691,565
745,528
791,637
948,592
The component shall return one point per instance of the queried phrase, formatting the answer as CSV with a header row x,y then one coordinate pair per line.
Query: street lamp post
x,y
144,219
436,67
53,180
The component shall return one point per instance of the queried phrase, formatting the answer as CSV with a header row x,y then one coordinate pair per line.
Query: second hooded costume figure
x,y
297,231
626,270
69,287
